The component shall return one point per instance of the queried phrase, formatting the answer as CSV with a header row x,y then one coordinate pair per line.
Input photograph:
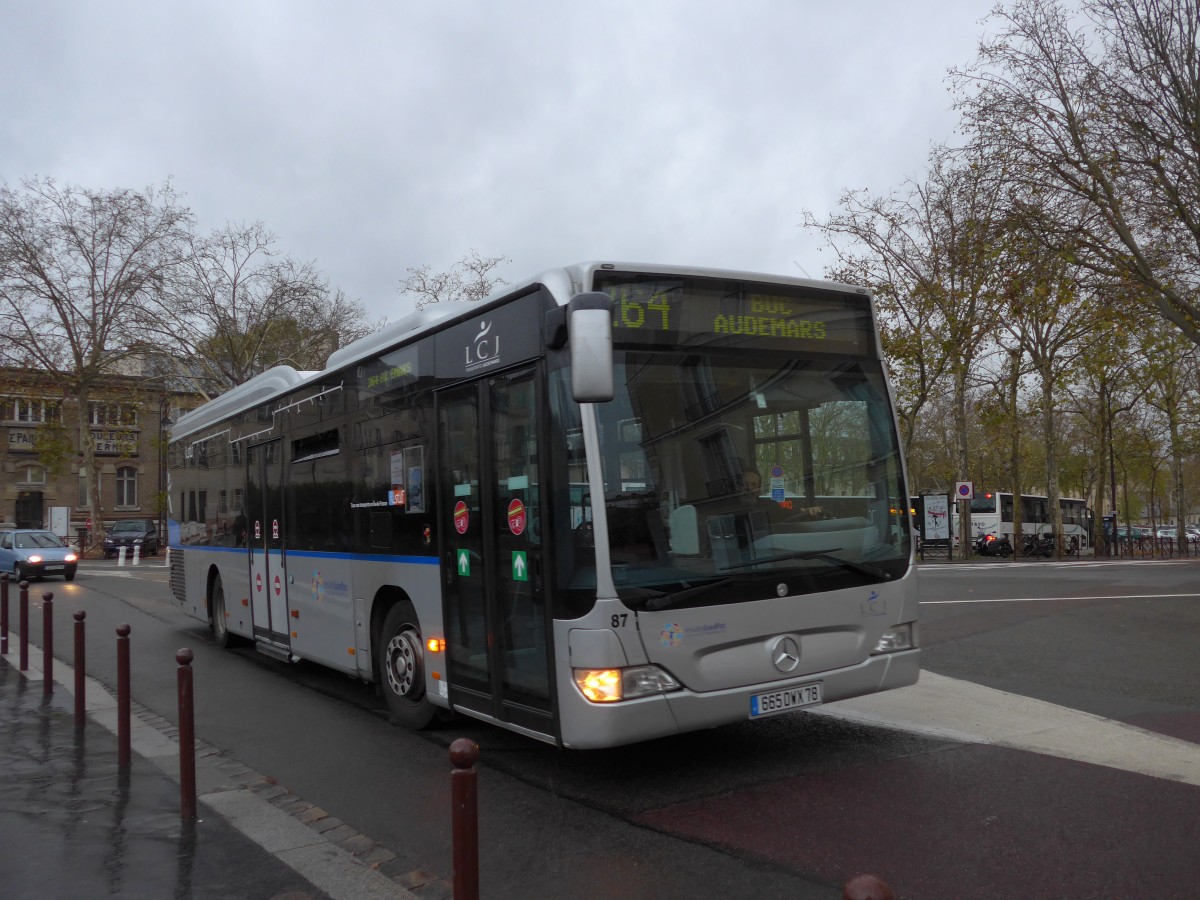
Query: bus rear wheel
x,y
401,655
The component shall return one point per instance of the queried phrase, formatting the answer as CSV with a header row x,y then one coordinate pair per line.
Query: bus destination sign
x,y
392,372
671,310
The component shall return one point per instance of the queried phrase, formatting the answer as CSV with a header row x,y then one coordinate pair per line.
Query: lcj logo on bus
x,y
483,352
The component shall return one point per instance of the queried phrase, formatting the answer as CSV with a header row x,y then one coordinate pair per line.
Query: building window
x,y
85,502
32,475
102,412
126,486
30,409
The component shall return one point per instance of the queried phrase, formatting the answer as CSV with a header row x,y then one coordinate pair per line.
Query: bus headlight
x,y
899,637
613,685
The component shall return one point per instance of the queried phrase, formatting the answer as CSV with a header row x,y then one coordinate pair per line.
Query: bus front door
x,y
264,512
498,654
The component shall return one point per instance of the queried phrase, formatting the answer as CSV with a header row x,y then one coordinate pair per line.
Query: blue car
x,y
31,553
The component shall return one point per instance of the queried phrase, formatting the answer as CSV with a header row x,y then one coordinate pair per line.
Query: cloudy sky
x,y
376,136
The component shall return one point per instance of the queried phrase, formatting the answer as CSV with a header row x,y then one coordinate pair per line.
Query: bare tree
x,y
1166,371
1099,114
81,271
238,307
1049,314
932,245
471,278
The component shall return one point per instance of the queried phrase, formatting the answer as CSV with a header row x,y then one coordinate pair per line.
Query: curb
x,y
325,851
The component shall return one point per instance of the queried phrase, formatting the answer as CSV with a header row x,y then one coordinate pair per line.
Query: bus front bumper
x,y
586,725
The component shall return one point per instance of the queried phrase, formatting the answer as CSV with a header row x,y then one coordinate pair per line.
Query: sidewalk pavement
x,y
73,825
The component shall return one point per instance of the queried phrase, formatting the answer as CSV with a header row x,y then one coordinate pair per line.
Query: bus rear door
x,y
268,578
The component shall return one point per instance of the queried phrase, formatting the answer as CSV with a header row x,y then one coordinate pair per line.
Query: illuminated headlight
x,y
35,559
70,557
612,685
898,638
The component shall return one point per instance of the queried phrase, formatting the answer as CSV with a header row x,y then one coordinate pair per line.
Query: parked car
x,y
130,533
33,553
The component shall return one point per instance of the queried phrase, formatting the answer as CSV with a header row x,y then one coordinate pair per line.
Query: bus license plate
x,y
785,701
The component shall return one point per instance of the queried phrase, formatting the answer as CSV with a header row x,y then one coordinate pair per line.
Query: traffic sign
x,y
516,517
520,566
964,490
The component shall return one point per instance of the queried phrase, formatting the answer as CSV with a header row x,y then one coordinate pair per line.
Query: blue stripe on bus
x,y
316,554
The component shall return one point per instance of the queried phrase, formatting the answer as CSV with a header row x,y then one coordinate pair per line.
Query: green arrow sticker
x,y
520,566
464,562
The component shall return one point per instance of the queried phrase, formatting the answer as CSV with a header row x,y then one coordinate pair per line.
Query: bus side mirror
x,y
589,323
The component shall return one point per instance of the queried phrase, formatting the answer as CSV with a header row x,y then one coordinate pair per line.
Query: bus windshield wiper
x,y
826,555
667,600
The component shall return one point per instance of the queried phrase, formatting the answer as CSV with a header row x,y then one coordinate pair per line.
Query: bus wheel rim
x,y
404,662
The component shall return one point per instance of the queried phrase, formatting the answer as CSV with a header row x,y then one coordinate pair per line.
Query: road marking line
x,y
1036,599
930,568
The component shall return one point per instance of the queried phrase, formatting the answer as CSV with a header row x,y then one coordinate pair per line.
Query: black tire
x,y
401,657
152,550
69,575
216,603
18,573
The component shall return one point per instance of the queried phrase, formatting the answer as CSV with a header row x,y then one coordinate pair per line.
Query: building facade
x,y
43,478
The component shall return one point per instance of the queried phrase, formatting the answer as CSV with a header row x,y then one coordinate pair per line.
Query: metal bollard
x,y
465,818
80,673
24,623
3,612
47,643
187,737
123,750
866,887
137,553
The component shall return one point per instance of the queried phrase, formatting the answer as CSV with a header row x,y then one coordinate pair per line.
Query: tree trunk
x,y
961,440
1017,539
1100,534
1051,442
1177,452
87,448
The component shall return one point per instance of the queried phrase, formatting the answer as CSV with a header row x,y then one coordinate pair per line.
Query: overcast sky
x,y
371,137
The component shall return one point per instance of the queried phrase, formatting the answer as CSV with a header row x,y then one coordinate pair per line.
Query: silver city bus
x,y
615,503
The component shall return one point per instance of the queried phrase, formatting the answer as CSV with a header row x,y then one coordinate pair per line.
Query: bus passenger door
x,y
491,540
264,512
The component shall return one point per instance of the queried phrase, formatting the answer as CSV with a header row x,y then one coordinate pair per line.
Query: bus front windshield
x,y
732,476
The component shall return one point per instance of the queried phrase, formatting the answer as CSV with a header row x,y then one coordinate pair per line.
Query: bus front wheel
x,y
220,627
402,668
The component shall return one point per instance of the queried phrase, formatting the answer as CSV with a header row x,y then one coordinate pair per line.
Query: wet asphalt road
x,y
789,807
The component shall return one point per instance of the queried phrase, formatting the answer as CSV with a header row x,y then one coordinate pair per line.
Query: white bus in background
x,y
535,510
992,513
